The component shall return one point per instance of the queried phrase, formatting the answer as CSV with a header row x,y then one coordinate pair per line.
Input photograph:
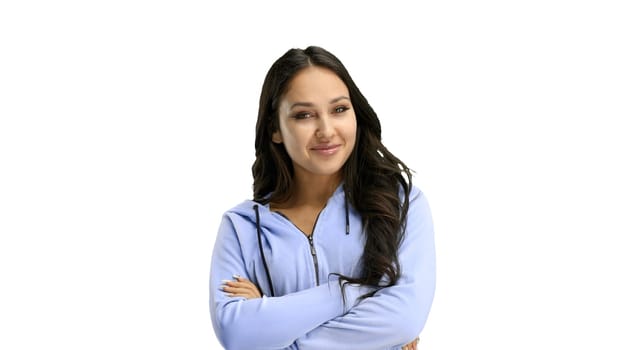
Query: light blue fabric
x,y
305,316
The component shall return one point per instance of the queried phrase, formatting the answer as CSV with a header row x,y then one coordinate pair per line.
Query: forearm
x,y
377,323
276,322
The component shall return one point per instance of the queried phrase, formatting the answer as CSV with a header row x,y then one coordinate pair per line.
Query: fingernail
x,y
237,276
225,281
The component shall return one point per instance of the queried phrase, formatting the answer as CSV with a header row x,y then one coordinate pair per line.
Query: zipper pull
x,y
312,246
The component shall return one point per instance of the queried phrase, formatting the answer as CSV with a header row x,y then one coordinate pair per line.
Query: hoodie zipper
x,y
311,245
314,255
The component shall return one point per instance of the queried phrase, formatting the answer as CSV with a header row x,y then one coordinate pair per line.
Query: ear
x,y
276,137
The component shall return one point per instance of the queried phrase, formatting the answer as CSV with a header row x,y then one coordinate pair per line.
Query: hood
x,y
254,211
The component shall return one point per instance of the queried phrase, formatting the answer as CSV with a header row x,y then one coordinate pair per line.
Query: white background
x,y
127,129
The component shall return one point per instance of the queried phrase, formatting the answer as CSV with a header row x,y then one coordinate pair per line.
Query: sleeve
x,y
268,322
394,316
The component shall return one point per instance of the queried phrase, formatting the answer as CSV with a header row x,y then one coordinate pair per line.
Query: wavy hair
x,y
372,175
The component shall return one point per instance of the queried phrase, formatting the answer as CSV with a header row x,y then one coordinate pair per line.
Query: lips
x,y
326,149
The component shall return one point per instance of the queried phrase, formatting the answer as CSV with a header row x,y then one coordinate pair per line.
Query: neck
x,y
313,191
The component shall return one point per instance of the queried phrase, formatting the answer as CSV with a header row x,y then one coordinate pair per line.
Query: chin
x,y
327,171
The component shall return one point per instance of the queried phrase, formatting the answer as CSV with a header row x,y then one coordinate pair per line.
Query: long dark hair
x,y
372,176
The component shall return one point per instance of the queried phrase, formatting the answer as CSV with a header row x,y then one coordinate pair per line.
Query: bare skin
x,y
242,287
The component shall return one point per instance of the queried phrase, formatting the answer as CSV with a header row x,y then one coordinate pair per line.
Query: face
x,y
317,124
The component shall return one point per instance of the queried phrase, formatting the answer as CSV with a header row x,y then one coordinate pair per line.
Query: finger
x,y
409,346
247,291
243,284
243,295
240,278
235,284
250,290
236,290
239,281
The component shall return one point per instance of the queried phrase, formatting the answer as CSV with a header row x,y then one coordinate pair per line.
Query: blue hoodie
x,y
302,306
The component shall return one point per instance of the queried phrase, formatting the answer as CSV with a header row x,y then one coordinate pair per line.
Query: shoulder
x,y
247,215
415,193
238,215
418,205
244,208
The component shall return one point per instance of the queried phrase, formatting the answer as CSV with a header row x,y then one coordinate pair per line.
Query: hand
x,y
240,287
412,345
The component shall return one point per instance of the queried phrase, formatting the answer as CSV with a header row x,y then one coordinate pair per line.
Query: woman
x,y
336,249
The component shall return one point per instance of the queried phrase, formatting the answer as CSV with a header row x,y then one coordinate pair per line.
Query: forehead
x,y
316,85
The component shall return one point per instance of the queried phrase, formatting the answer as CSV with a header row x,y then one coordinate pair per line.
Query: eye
x,y
341,109
302,115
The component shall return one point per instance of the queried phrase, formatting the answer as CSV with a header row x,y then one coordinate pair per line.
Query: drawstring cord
x,y
263,256
347,215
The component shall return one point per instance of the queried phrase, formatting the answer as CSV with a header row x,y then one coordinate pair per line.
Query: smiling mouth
x,y
326,149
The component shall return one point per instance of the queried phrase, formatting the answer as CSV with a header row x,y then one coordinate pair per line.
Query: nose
x,y
325,128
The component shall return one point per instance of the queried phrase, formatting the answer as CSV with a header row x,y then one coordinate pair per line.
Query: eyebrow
x,y
309,104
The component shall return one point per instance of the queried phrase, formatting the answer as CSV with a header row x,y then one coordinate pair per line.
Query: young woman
x,y
336,249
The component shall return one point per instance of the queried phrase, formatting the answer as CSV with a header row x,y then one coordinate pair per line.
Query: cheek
x,y
295,137
352,128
